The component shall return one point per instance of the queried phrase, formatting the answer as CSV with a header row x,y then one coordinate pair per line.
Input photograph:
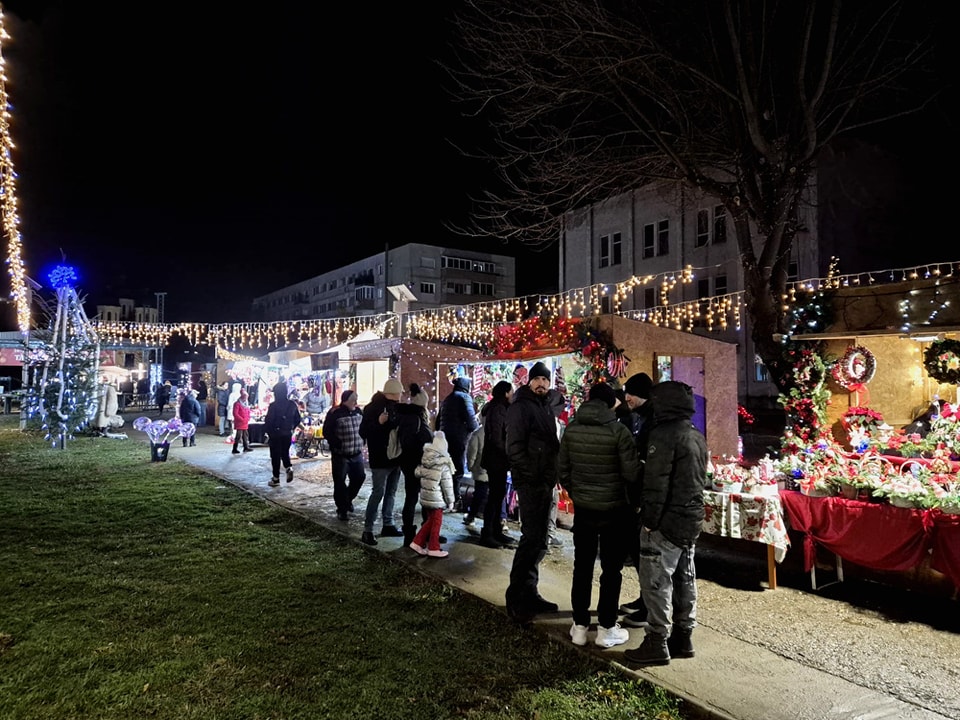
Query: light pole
x,y
161,301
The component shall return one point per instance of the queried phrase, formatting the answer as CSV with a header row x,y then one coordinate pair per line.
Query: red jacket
x,y
241,416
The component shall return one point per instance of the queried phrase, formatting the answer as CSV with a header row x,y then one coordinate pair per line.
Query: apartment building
x,y
660,229
434,275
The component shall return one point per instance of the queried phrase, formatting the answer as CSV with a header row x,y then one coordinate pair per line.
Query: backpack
x,y
394,448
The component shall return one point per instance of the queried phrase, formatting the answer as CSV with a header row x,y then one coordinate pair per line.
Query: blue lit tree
x,y
62,395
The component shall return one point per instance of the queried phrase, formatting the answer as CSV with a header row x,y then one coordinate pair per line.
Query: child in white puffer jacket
x,y
436,494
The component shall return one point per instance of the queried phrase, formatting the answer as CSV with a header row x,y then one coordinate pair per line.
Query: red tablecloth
x,y
875,535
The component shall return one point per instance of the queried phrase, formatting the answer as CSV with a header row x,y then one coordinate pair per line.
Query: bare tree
x,y
589,98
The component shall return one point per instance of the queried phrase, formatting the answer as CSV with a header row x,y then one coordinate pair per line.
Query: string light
x,y
8,201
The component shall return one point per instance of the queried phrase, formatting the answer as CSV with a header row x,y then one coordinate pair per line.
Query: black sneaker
x,y
490,542
540,605
341,514
391,531
636,619
504,539
630,607
368,538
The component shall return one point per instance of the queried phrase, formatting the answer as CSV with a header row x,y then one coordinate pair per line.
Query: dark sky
x,y
220,151
217,151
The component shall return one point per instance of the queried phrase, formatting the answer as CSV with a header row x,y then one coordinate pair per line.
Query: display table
x,y
255,431
875,535
758,518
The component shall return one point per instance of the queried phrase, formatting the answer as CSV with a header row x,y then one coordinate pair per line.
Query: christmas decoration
x,y
855,369
942,361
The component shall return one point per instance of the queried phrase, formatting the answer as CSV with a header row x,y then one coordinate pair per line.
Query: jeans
x,y
343,467
534,505
411,495
668,583
607,532
384,488
222,423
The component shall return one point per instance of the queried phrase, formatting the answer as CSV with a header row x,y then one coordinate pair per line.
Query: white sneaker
x,y
578,633
608,637
417,548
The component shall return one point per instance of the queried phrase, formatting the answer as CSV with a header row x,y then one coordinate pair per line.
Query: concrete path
x,y
760,654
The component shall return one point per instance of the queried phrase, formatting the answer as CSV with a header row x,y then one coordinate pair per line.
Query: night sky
x,y
217,151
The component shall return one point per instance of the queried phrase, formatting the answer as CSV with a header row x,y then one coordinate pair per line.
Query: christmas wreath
x,y
855,368
942,361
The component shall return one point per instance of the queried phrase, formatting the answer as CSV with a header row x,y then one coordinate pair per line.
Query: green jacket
x,y
598,458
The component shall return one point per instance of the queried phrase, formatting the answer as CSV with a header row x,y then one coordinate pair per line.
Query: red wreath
x,y
855,369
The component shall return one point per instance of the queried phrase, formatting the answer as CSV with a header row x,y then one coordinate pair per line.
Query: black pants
x,y
411,493
496,493
279,451
534,503
607,533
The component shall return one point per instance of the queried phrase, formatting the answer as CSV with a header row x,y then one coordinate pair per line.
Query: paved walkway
x,y
760,654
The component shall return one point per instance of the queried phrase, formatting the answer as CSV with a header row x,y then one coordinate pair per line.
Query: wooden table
x,y
758,518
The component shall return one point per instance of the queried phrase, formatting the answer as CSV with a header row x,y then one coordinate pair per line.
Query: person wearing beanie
x,y
189,412
532,447
539,370
283,417
241,424
458,418
379,418
341,429
636,391
596,465
436,493
413,430
493,457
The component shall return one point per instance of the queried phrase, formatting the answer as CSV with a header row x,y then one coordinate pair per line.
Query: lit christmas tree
x,y
62,397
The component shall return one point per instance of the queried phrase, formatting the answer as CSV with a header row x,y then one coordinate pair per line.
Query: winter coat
x,y
457,417
341,429
494,415
283,415
377,435
413,430
241,415
436,474
532,443
163,395
313,402
598,458
190,409
676,468
475,455
223,395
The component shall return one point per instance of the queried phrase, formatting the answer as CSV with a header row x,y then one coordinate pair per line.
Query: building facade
x,y
435,276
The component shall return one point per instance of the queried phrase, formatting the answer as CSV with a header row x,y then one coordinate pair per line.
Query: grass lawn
x,y
133,589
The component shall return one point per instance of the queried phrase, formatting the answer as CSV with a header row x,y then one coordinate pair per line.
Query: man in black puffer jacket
x,y
597,463
671,514
532,447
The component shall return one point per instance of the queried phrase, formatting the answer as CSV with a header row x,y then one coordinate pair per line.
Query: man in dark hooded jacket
x,y
671,514
458,419
532,447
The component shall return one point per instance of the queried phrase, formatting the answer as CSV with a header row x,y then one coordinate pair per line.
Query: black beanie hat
x,y
638,385
539,370
602,391
501,389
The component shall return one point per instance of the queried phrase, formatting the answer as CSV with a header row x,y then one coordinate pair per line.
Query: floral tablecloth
x,y
749,517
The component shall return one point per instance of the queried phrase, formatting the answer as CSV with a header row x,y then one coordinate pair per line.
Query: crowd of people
x,y
630,459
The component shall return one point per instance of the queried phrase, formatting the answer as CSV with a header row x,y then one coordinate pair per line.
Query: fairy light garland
x,y
8,201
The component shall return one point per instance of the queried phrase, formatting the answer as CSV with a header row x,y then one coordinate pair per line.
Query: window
x,y
428,288
380,269
648,241
760,373
428,262
458,288
611,250
703,288
703,228
649,298
363,292
605,305
793,271
719,225
663,237
720,285
483,289
457,263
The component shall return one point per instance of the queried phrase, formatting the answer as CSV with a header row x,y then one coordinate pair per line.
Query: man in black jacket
x,y
532,447
671,514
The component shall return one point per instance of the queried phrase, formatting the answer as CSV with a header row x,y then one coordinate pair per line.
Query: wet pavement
x,y
853,650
